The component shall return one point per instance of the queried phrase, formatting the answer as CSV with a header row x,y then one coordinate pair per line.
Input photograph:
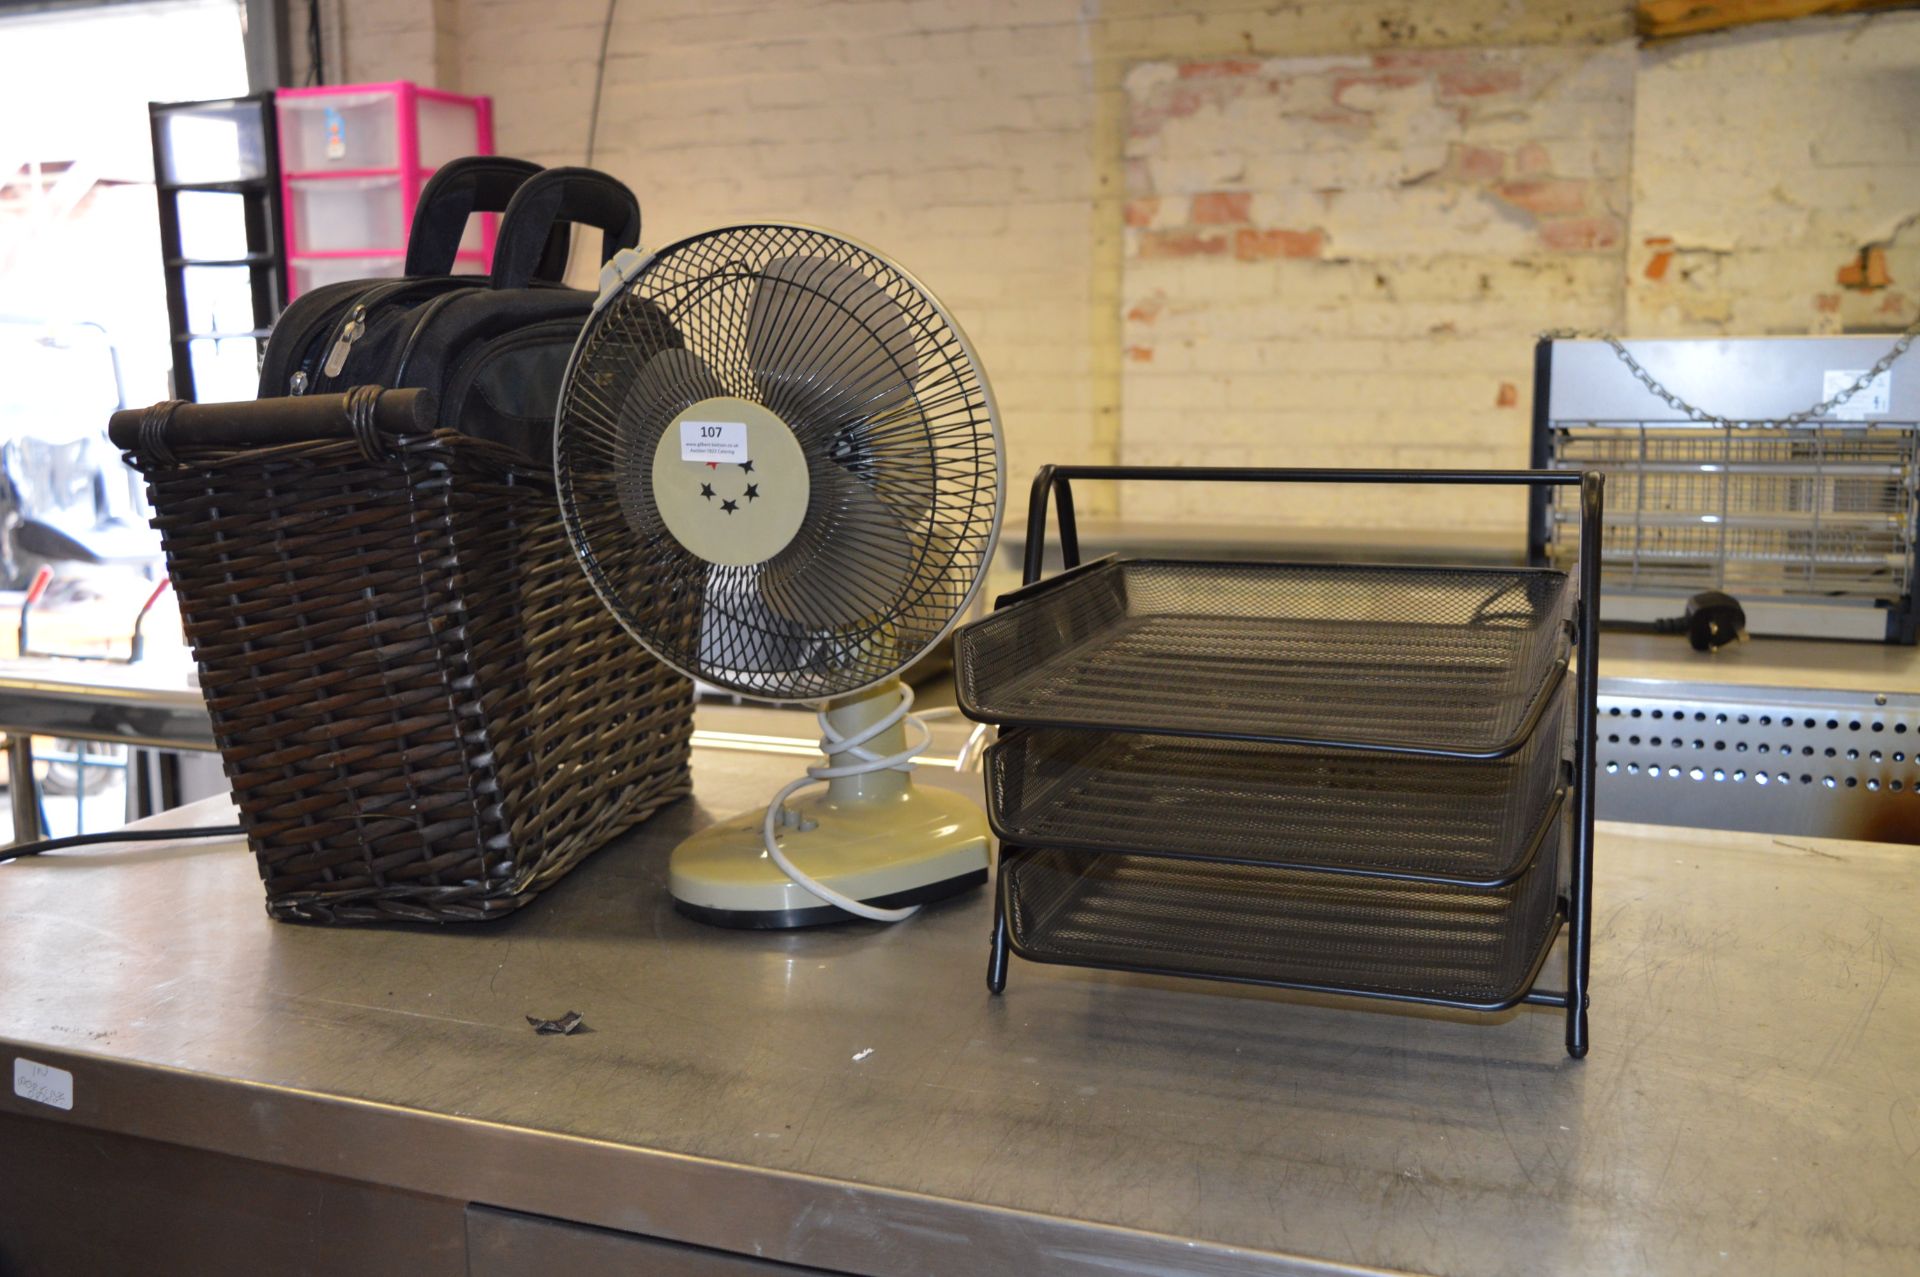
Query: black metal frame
x,y
1576,906
266,256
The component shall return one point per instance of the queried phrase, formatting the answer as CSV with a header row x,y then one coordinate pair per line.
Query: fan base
x,y
921,845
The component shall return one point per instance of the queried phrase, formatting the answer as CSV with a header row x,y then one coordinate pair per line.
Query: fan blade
x,y
744,642
670,383
851,566
827,345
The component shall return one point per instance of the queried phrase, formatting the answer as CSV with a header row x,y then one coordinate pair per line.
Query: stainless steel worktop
x,y
853,1099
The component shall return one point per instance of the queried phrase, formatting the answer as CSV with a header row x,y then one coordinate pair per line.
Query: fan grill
x,y
894,419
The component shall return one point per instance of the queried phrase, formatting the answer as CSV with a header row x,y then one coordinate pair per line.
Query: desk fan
x,y
779,462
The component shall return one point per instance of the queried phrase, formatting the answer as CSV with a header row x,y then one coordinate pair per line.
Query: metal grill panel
x,y
1820,512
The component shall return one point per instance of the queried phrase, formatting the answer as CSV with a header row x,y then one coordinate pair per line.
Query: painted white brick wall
x,y
953,137
1764,162
985,143
1343,261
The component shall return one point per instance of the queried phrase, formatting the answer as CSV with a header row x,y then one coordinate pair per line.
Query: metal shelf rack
x,y
1352,780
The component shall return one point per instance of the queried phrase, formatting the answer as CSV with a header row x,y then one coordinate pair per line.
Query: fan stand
x,y
875,837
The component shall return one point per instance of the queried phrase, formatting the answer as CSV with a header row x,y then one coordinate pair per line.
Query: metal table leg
x,y
26,812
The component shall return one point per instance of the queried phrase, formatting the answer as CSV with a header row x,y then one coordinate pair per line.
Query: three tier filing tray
x,y
1364,780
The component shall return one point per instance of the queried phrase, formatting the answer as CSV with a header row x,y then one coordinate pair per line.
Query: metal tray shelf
x,y
1333,933
1429,819
1455,662
1373,781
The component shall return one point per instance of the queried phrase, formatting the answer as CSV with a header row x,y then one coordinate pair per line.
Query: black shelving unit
x,y
192,160
1373,781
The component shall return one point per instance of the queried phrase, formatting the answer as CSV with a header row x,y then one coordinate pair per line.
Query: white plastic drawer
x,y
448,130
342,213
313,272
224,371
213,142
339,131
213,225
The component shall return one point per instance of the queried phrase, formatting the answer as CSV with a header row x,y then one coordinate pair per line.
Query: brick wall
x,y
1777,181
954,137
1356,281
1343,261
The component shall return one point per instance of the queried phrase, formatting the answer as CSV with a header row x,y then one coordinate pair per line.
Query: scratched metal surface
x,y
853,1098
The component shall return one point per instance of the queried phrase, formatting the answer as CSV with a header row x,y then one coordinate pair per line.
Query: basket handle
x,y
541,208
457,190
362,413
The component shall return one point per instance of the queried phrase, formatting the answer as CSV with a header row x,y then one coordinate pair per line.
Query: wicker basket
x,y
424,710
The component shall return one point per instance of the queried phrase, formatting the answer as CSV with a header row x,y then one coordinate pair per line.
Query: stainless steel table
x,y
254,1097
152,705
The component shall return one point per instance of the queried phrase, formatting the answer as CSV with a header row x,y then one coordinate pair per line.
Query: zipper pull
x,y
337,357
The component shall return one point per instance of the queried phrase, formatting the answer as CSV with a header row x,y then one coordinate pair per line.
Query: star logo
x,y
730,505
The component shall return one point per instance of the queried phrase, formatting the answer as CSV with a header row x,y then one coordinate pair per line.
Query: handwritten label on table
x,y
42,1083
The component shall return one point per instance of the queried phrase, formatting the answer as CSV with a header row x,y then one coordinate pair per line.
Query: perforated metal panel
x,y
1771,760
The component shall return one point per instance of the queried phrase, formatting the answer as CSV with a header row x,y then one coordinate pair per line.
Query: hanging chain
x,y
1694,413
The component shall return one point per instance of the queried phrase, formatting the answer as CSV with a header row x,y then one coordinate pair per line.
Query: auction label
x,y
714,441
42,1083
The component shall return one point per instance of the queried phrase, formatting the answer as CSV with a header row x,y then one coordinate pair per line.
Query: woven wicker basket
x,y
424,710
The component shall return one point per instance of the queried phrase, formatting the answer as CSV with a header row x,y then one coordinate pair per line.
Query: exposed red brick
x,y
1147,311
1182,243
1218,67
1425,58
1478,163
1141,212
1372,79
1545,196
1827,303
1877,274
1532,158
1866,272
1658,263
1476,82
1219,208
1261,245
1508,397
1580,234
1140,354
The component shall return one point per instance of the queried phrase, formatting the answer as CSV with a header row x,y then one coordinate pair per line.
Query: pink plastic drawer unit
x,y
352,160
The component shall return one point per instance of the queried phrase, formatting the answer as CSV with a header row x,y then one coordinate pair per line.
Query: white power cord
x,y
831,742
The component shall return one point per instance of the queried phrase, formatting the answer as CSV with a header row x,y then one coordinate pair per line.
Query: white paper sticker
x,y
42,1083
714,441
1875,399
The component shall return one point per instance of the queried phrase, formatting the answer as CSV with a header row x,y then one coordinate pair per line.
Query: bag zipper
x,y
354,323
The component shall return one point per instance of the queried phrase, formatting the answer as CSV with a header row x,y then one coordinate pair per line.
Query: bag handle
x,y
543,206
457,190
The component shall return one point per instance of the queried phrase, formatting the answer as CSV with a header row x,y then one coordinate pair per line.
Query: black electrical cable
x,y
316,61
599,79
124,835
593,111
